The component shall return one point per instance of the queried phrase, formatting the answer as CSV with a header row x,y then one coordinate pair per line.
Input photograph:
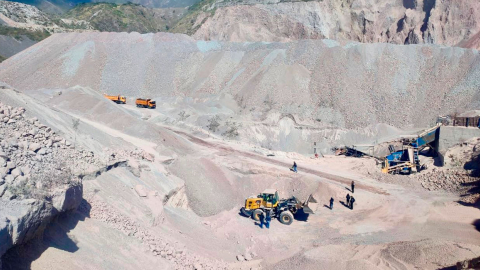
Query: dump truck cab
x,y
152,104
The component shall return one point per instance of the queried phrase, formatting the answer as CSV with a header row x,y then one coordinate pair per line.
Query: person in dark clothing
x,y
352,200
353,186
268,218
294,166
331,203
348,199
262,220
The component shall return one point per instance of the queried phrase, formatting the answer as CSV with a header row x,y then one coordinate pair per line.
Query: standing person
x,y
262,219
331,203
294,166
352,200
348,200
268,218
353,186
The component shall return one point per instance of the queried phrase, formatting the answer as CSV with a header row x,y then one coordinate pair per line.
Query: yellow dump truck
x,y
117,99
146,103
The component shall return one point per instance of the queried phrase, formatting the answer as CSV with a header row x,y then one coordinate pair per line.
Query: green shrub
x,y
18,33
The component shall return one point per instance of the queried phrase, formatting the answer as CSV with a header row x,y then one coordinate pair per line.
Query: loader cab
x,y
270,198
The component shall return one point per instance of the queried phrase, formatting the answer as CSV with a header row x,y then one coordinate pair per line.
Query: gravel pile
x,y
179,255
281,96
458,181
34,160
309,81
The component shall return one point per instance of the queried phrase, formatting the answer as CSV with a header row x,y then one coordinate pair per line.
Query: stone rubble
x,y
181,258
30,151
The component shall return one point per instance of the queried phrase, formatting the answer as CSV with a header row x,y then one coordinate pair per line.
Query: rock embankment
x,y
36,179
425,22
25,16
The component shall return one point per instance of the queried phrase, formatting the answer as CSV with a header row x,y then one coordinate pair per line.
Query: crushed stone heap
x,y
36,178
321,81
34,160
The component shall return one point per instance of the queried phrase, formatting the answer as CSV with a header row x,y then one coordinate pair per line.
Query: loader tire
x,y
286,218
257,214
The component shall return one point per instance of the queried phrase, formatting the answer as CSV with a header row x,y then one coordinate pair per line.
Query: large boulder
x,y
67,199
20,221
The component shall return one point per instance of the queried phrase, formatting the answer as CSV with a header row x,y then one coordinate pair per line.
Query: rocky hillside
x,y
23,25
37,182
125,18
18,15
61,6
316,89
448,22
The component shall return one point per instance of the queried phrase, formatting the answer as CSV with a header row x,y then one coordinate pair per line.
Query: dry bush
x,y
232,130
213,123
42,183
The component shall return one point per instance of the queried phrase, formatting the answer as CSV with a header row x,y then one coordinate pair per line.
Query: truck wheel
x,y
286,218
245,212
257,214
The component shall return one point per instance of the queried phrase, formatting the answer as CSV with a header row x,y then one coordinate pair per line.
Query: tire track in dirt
x,y
340,179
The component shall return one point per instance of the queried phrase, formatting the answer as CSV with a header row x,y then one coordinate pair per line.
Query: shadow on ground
x,y
449,268
476,223
54,236
473,188
301,216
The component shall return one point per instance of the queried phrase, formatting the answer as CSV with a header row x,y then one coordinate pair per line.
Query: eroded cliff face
x,y
451,23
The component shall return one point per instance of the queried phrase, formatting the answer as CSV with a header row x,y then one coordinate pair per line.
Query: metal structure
x,y
406,160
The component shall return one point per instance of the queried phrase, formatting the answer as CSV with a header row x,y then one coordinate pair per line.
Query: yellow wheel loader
x,y
283,209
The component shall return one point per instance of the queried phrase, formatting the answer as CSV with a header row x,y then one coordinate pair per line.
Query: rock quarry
x,y
87,183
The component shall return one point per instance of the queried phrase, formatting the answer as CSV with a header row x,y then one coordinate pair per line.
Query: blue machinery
x,y
406,160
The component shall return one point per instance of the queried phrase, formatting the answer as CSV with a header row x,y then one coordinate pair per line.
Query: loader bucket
x,y
306,209
311,199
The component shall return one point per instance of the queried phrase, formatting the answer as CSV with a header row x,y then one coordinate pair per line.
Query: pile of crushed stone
x,y
34,159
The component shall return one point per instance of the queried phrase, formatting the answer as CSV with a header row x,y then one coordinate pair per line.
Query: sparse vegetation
x,y
110,17
20,33
2,58
183,115
186,25
232,129
41,184
213,123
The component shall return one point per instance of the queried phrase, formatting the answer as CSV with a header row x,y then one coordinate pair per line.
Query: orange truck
x,y
145,103
117,99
